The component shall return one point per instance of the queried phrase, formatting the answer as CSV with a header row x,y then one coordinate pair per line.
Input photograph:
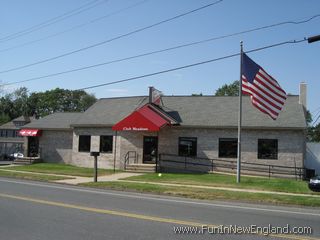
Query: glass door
x,y
150,149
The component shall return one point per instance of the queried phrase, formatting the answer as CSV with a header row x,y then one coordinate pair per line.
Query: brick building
x,y
195,126
10,141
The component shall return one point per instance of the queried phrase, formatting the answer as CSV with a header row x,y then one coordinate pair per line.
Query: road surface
x,y
43,211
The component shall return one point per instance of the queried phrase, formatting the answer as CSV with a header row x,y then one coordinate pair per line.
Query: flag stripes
x,y
266,94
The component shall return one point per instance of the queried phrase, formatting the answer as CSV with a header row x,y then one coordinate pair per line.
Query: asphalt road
x,y
33,210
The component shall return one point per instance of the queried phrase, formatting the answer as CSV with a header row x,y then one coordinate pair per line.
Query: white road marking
x,y
163,199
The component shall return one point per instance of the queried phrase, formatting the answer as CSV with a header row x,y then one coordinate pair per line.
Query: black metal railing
x,y
196,164
130,157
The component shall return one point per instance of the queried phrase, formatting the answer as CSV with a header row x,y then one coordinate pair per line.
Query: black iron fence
x,y
171,163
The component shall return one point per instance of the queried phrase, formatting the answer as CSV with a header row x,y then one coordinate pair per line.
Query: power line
x,y
53,20
316,115
74,27
316,110
190,65
163,50
160,51
313,124
133,57
114,38
184,45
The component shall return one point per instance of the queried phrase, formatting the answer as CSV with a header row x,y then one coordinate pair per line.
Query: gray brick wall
x,y
55,146
290,144
105,160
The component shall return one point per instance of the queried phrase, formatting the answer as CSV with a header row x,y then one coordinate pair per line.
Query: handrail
x,y
230,161
127,158
230,164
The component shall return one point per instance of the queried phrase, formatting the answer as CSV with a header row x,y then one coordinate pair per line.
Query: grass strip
x,y
60,168
224,180
30,176
208,194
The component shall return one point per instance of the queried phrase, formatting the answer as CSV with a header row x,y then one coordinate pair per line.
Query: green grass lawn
x,y
223,180
30,176
208,194
59,168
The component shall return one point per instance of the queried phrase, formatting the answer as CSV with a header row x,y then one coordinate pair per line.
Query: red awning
x,y
143,119
30,132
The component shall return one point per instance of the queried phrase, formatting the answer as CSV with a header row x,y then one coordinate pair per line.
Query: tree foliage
x,y
21,102
313,132
228,89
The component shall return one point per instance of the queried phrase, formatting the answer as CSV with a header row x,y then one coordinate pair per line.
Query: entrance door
x,y
33,146
150,149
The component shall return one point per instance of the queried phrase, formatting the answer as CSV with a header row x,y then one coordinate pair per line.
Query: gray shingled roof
x,y
197,111
54,121
11,125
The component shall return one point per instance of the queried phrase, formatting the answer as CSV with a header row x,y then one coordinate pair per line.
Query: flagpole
x,y
239,117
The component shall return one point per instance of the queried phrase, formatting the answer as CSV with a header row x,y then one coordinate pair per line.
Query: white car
x,y
17,155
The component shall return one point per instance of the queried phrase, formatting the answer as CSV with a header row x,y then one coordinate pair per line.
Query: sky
x,y
75,24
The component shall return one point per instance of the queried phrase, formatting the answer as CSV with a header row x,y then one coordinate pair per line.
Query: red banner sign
x,y
30,132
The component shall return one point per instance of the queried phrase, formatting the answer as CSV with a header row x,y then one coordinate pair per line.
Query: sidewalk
x,y
106,178
74,180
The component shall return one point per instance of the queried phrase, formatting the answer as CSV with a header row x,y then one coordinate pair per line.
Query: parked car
x,y
16,155
314,183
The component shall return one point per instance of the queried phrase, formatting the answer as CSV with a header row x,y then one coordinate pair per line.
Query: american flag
x,y
156,96
266,94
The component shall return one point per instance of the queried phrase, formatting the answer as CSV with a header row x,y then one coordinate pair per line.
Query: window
x,y
188,146
106,144
267,149
228,147
3,133
10,133
84,143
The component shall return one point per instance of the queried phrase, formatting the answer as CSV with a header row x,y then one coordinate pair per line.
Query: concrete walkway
x,y
74,180
106,178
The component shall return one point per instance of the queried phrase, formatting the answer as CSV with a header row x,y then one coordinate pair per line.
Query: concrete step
x,y
142,168
26,161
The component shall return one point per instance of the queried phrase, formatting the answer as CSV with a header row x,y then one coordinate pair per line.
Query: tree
x,y
21,102
59,100
316,133
4,118
313,132
228,89
13,105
